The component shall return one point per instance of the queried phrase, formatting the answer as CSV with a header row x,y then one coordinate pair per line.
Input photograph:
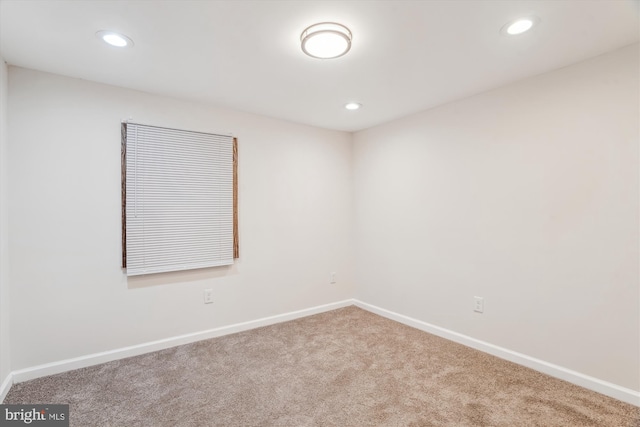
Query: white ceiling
x,y
406,56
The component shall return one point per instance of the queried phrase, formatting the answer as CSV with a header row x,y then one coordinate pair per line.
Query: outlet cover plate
x,y
478,304
208,296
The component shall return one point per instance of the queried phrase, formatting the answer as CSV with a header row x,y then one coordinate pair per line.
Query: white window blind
x,y
179,203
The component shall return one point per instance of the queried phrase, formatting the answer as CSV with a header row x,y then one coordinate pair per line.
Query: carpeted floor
x,y
347,367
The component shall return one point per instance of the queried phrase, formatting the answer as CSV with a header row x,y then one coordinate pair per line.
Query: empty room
x,y
320,213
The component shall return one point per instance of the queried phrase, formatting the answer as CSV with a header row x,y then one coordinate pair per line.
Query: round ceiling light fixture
x,y
352,106
326,40
114,39
520,25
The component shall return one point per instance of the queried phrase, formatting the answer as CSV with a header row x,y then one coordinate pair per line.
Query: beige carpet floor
x,y
346,367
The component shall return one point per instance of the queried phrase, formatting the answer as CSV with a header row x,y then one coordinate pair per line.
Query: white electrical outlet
x,y
332,278
208,296
478,304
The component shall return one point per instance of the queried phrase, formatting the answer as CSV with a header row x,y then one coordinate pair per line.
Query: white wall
x,y
69,295
5,349
527,196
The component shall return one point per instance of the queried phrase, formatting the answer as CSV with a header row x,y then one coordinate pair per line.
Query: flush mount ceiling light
x,y
352,106
114,39
326,40
520,25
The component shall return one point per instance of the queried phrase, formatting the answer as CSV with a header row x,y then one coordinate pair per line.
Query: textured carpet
x,y
347,367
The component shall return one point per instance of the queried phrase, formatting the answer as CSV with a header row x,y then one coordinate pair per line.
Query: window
x,y
179,199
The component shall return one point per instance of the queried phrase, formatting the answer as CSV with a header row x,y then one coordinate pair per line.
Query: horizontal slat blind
x,y
179,200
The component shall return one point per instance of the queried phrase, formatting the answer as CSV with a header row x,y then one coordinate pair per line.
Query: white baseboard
x,y
6,385
609,389
135,350
588,382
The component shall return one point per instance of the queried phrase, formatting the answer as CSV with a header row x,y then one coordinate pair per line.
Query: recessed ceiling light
x,y
520,25
326,40
114,39
352,106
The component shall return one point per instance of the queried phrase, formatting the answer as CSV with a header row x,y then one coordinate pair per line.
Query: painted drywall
x,y
527,196
5,344
69,295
